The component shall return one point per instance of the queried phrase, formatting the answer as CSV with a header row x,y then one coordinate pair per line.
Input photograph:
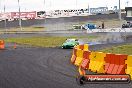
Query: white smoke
x,y
112,38
105,39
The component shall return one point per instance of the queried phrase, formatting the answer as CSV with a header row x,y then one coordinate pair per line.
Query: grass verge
x,y
123,49
44,41
24,29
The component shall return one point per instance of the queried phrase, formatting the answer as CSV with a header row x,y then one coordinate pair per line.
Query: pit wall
x,y
99,62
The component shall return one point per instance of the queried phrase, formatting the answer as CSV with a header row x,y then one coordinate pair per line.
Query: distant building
x,y
67,13
23,15
41,14
128,13
99,10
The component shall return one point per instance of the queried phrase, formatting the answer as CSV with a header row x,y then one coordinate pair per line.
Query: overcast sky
x,y
38,5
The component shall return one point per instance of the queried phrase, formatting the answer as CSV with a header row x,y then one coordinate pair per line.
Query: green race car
x,y
70,43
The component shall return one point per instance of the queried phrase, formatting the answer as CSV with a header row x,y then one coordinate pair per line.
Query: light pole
x,y
120,14
0,6
119,10
20,23
76,7
44,14
44,5
127,3
76,4
88,9
5,15
44,9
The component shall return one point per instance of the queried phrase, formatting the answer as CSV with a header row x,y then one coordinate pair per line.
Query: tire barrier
x,y
2,44
100,62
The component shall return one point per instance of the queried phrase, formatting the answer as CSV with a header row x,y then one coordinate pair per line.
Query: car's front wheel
x,y
63,47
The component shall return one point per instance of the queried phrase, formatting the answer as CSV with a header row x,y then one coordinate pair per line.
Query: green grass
x,y
57,41
44,41
123,49
25,29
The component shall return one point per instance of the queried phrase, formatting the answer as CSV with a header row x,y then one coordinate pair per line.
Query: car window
x,y
76,40
70,40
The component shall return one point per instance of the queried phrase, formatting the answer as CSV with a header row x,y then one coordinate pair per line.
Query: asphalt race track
x,y
34,67
41,68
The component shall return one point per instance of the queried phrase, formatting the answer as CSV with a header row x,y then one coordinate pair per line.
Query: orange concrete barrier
x,y
101,62
77,46
97,62
2,44
81,71
92,61
122,65
129,65
79,57
115,64
86,60
84,47
108,61
81,47
15,46
74,55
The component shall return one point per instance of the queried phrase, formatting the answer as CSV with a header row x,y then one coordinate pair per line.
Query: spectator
x,y
102,25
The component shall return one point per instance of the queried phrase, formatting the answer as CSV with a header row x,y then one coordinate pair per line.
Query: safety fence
x,y
99,62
